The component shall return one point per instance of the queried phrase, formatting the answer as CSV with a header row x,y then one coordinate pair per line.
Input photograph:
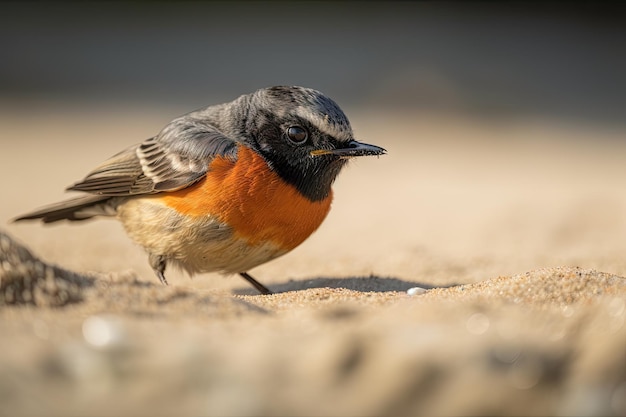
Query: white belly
x,y
194,244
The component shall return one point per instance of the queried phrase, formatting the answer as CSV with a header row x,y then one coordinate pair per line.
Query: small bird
x,y
225,188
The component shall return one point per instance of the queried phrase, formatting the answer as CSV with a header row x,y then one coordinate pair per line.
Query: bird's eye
x,y
297,135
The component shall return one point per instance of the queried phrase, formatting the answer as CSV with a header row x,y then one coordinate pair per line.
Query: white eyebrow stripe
x,y
322,124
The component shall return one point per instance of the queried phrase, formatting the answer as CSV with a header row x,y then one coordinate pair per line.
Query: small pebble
x,y
416,291
102,331
478,323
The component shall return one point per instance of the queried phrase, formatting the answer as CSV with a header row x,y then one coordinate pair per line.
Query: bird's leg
x,y
158,264
256,284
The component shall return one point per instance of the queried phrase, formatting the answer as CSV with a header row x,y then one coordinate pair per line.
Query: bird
x,y
224,188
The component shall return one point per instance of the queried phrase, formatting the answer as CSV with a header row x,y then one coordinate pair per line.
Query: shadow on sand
x,y
371,283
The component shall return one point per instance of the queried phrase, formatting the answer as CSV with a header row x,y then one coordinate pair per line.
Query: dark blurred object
x,y
560,60
24,279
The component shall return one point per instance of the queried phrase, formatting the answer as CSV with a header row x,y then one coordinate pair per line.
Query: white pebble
x,y
478,323
102,331
416,291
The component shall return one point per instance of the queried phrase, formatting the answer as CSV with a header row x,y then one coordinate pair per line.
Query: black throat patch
x,y
313,178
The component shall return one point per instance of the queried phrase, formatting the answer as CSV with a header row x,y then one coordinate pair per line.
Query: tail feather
x,y
76,209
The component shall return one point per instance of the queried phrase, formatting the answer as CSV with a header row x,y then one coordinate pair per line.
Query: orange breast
x,y
253,200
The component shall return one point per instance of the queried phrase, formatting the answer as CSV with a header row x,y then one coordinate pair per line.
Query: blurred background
x,y
504,59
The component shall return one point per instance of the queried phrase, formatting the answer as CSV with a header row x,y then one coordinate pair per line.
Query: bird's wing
x,y
176,158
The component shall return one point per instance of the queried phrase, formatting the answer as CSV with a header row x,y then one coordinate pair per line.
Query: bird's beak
x,y
352,148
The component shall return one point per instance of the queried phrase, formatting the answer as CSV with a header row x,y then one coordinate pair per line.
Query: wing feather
x,y
175,158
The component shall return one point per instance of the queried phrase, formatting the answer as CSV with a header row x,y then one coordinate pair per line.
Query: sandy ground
x,y
513,231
